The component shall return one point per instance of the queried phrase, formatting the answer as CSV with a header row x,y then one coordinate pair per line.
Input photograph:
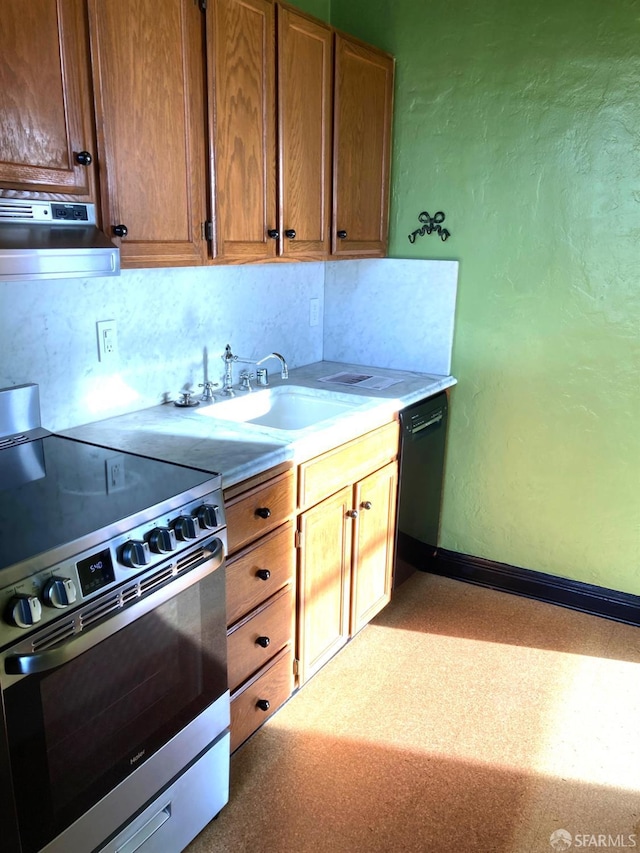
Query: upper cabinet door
x,y
241,53
148,63
45,99
362,148
305,105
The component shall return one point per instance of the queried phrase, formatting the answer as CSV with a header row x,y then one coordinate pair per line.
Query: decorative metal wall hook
x,y
430,224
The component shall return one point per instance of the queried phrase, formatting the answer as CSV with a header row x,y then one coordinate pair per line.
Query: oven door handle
x,y
213,554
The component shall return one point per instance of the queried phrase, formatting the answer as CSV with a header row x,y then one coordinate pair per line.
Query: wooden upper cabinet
x,y
362,148
148,64
241,63
305,104
45,99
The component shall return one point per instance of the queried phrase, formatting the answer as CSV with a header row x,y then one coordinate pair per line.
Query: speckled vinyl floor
x,y
461,720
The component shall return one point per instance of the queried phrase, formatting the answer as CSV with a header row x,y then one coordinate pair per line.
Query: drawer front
x,y
261,697
259,510
256,639
325,474
255,574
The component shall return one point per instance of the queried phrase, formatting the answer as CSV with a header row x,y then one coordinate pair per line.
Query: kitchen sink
x,y
285,407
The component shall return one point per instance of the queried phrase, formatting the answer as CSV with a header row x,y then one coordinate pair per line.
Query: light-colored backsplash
x,y
391,313
173,325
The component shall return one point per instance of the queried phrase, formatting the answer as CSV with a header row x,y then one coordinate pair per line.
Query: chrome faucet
x,y
262,374
228,359
284,370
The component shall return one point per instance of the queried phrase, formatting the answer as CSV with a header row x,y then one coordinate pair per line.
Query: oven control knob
x,y
207,516
185,528
59,592
134,554
24,610
162,540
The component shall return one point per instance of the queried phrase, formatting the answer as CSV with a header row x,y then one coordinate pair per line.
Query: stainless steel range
x,y
115,708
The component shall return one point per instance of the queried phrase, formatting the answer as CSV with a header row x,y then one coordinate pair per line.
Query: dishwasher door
x,y
422,455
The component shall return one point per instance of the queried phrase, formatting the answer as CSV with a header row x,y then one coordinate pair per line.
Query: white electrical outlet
x,y
115,473
314,311
107,340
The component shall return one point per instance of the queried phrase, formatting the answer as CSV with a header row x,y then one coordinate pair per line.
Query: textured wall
x,y
520,121
319,8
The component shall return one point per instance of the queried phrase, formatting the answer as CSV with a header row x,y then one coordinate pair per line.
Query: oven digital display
x,y
95,571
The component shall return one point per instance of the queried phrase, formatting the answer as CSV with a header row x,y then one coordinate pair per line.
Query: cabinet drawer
x,y
348,463
256,639
260,510
260,697
256,573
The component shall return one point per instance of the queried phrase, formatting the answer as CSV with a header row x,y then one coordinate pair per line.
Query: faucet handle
x,y
262,375
207,394
245,380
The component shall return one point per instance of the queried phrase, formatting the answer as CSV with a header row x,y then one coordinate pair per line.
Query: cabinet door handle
x,y
366,504
352,513
290,233
120,230
263,512
263,574
263,642
342,235
84,158
273,233
263,704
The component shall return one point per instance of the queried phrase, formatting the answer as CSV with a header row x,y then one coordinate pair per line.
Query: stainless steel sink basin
x,y
285,407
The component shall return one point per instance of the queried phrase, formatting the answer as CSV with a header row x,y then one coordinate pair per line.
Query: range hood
x,y
41,239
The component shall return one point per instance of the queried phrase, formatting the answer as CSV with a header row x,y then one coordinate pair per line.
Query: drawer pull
x,y
366,504
263,641
263,574
263,704
263,512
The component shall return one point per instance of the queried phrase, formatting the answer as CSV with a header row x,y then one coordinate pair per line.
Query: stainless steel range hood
x,y
53,240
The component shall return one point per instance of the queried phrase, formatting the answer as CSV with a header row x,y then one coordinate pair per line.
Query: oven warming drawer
x,y
183,810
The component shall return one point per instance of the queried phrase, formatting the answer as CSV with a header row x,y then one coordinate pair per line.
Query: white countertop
x,y
239,450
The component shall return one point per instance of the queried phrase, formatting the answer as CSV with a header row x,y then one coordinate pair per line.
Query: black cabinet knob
x,y
263,642
342,235
263,574
120,230
84,158
263,512
263,704
290,233
273,233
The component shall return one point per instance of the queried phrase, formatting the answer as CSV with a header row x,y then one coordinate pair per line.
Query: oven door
x,y
98,726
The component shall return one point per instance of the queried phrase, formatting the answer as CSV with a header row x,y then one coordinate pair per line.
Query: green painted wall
x,y
522,123
318,8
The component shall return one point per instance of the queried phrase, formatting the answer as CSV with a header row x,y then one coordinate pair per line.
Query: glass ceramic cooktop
x,y
54,491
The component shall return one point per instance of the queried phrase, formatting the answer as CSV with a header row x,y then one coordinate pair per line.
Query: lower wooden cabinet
x,y
289,615
261,696
261,599
252,642
324,580
346,543
374,537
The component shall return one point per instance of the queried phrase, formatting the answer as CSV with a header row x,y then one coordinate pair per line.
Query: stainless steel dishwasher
x,y
422,454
